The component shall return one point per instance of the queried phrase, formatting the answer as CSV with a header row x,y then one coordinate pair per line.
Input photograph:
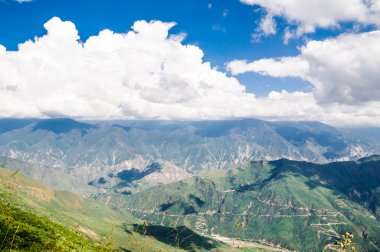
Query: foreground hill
x,y
24,231
102,153
296,205
36,218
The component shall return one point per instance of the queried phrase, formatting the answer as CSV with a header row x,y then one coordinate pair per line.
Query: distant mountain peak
x,y
62,125
125,128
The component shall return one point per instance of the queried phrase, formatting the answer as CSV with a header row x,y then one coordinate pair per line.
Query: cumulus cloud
x,y
309,15
145,73
149,73
342,69
345,69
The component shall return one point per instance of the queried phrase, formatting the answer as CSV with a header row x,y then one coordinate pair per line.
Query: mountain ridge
x,y
89,151
299,205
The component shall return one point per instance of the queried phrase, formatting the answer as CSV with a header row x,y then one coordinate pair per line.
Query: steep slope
x,y
53,177
34,217
21,230
296,205
80,215
315,139
30,213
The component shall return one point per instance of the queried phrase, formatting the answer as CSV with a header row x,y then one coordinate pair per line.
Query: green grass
x,y
23,231
93,223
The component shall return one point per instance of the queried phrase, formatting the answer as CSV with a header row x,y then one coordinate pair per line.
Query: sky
x,y
186,60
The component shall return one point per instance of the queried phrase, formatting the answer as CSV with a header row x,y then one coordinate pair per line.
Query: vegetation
x,y
21,230
344,244
295,205
36,218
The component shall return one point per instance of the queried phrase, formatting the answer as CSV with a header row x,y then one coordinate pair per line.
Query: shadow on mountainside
x,y
181,237
359,181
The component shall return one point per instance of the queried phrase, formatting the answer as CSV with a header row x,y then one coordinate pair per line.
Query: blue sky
x,y
297,60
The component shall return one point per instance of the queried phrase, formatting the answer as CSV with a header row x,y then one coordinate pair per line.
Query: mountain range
x,y
81,154
279,186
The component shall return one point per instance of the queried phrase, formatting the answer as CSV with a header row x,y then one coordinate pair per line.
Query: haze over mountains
x,y
93,151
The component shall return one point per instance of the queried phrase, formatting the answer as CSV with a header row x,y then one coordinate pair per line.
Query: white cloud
x,y
375,5
309,15
345,69
344,72
144,73
342,69
304,106
267,26
282,67
2,49
147,73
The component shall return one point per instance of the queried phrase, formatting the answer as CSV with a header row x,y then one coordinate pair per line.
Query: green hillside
x,y
295,205
35,218
21,230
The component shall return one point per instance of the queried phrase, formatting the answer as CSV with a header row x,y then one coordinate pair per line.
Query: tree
x,y
345,244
